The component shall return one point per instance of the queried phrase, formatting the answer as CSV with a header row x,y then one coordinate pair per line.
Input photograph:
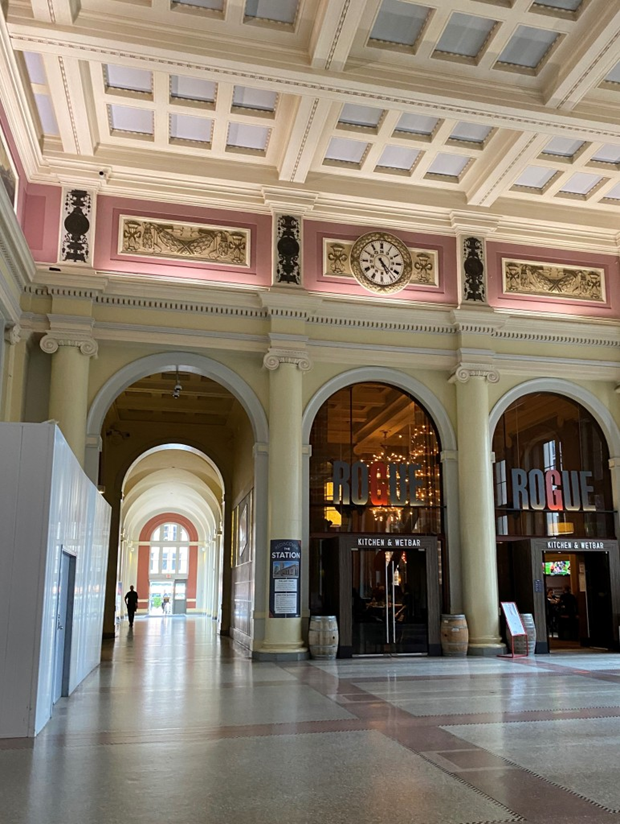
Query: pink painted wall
x,y
41,221
315,280
107,258
560,305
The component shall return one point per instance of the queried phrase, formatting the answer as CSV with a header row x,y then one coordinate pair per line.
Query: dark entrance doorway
x,y
571,586
385,592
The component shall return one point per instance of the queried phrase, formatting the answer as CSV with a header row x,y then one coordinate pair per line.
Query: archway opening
x,y
178,450
172,513
377,542
557,552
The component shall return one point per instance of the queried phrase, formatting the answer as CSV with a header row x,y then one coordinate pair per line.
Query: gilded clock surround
x,y
368,240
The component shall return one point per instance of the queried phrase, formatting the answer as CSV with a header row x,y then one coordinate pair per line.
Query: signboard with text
x,y
285,579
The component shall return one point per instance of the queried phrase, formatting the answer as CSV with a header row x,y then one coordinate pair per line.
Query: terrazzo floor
x,y
176,727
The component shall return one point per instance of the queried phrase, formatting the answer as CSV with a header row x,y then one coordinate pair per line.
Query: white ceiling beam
x,y
335,27
597,52
494,173
309,125
58,12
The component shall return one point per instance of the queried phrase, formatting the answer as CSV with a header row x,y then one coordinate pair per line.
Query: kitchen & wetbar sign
x,y
554,490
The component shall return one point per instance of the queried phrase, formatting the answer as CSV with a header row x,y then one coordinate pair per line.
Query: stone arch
x,y
559,386
163,362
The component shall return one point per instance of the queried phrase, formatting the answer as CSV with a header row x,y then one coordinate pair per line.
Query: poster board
x,y
285,579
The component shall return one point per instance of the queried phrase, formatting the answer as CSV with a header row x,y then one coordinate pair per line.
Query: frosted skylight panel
x,y
186,127
192,88
527,47
535,177
259,99
246,136
346,151
35,67
397,157
563,147
128,79
465,35
448,165
563,5
607,154
614,74
471,132
278,11
613,194
46,114
399,23
367,116
212,5
580,184
130,119
417,124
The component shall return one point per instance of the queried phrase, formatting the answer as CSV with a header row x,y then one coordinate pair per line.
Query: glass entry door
x,y
390,609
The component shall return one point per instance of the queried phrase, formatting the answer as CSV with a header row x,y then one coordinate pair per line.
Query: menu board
x,y
513,619
285,579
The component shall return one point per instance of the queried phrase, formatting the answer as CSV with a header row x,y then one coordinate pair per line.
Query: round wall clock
x,y
381,262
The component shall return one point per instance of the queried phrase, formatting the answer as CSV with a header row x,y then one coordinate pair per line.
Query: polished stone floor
x,y
177,728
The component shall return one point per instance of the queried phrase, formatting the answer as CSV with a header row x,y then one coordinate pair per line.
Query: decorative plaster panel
x,y
524,277
174,240
337,263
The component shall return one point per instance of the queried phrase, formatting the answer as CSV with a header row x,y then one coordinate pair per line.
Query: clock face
x,y
381,262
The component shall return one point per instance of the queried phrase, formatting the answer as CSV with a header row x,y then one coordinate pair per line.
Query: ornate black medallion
x,y
288,267
474,288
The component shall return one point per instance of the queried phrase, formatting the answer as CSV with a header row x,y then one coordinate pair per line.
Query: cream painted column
x,y
476,508
283,635
69,387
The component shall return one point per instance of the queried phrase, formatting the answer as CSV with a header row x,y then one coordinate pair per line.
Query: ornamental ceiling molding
x,y
347,89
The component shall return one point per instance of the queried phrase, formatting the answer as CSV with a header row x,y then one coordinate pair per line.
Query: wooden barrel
x,y
523,645
454,636
530,627
323,637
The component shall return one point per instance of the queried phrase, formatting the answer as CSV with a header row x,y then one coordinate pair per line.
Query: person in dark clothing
x,y
131,599
568,614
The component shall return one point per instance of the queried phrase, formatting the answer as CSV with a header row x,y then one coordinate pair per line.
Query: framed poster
x,y
8,172
284,579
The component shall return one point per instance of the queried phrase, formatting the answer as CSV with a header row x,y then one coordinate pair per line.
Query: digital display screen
x,y
557,567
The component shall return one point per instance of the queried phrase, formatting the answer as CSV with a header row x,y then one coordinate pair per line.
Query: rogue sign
x,y
384,484
557,491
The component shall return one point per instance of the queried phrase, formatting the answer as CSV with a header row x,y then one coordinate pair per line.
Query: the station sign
x,y
554,490
380,483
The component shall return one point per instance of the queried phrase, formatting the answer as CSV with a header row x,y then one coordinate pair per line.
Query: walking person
x,y
131,599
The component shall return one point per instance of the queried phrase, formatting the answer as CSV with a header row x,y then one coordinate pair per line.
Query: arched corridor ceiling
x,y
511,105
172,480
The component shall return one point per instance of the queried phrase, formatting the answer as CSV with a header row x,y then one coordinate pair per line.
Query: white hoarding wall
x,y
48,507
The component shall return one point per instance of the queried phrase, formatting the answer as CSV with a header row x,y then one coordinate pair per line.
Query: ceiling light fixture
x,y
176,392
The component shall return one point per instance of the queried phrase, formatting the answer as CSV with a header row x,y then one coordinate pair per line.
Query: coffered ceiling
x,y
507,106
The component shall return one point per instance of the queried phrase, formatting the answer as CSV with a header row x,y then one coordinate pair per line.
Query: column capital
x,y
13,334
70,330
50,343
277,355
465,371
447,455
